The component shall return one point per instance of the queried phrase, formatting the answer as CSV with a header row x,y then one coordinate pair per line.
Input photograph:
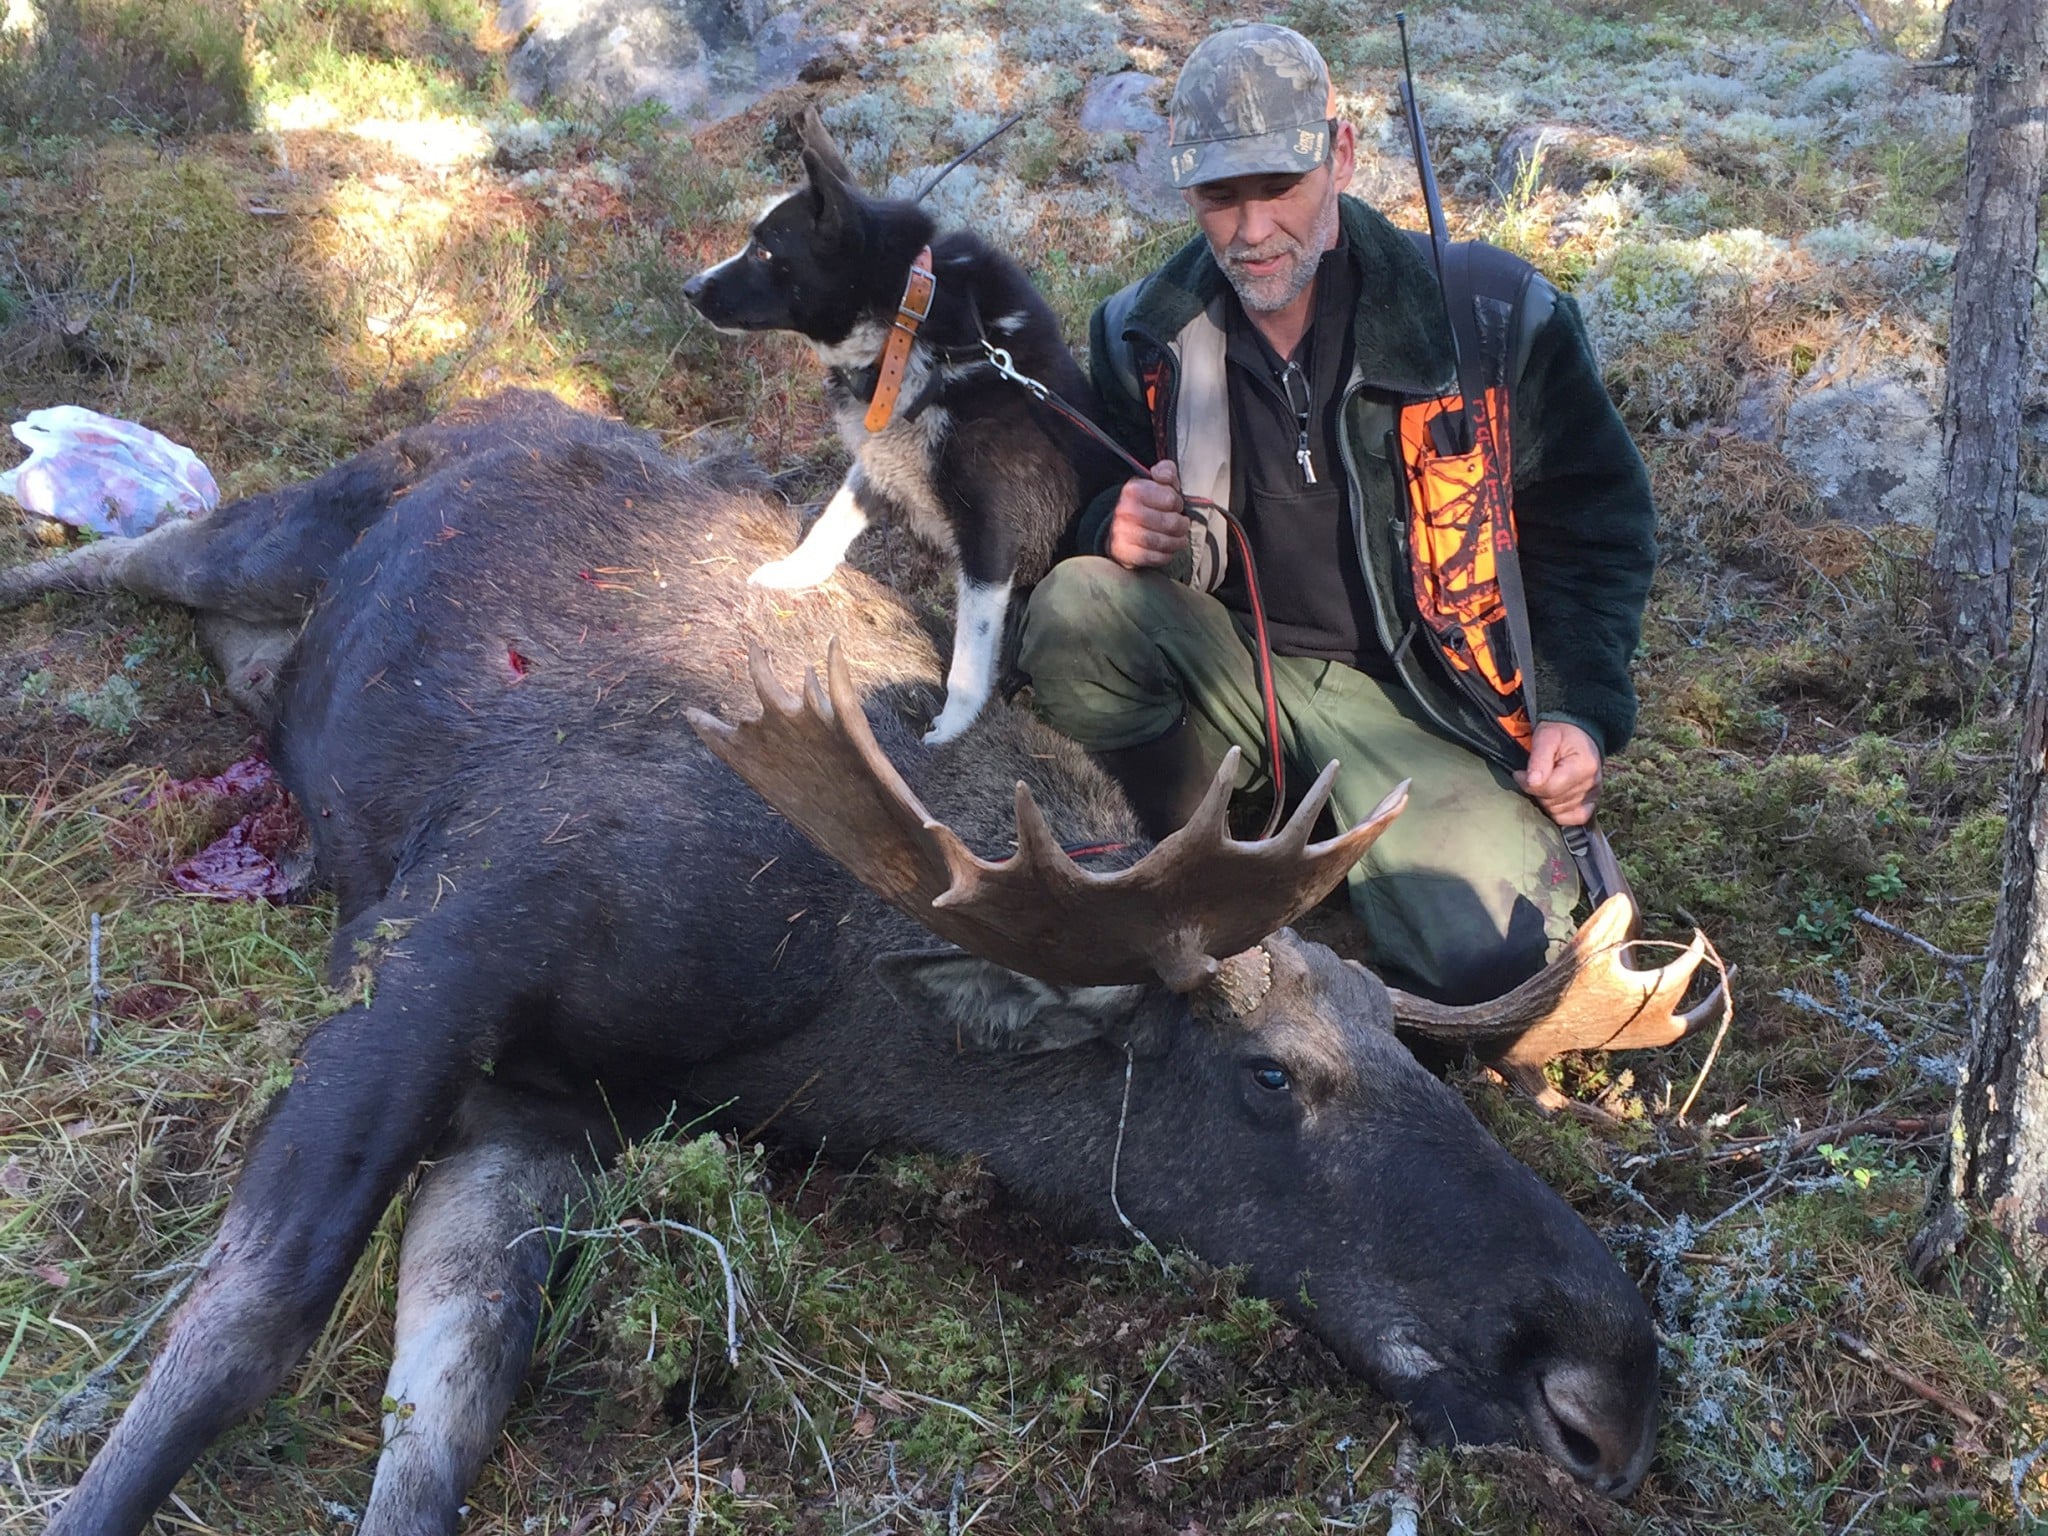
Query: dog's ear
x,y
822,159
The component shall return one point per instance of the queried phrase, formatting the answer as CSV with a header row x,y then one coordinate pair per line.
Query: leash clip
x,y
999,359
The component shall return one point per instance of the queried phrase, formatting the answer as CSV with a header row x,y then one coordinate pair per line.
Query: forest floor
x,y
276,232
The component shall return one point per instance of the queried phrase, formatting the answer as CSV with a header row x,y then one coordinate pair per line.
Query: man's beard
x,y
1276,290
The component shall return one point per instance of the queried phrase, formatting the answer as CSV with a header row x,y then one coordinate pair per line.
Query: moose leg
x,y
142,565
470,1281
374,1087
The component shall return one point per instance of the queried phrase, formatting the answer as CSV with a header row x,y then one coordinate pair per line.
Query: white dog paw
x,y
953,721
791,574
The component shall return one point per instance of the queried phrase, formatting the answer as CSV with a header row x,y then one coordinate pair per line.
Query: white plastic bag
x,y
102,473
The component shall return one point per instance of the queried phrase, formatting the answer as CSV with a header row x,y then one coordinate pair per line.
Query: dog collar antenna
x,y
912,310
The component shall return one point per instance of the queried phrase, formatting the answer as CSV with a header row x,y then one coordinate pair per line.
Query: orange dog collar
x,y
911,311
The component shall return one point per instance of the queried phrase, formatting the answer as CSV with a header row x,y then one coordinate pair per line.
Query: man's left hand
x,y
1563,775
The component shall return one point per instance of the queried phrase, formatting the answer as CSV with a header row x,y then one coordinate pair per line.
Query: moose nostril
x,y
1579,1448
1574,1422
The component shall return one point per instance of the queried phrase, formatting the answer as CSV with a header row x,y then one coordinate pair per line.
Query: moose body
x,y
473,648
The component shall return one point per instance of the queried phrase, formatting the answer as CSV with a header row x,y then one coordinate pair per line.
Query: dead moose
x,y
479,648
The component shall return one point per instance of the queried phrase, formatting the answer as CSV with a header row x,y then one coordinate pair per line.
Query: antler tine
x,y
1589,998
846,711
1211,819
1294,833
812,755
1196,896
1361,837
1707,1007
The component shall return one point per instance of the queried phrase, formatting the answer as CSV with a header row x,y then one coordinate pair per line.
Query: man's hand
x,y
1563,775
1149,526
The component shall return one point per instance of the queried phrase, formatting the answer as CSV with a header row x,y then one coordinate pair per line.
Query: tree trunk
x,y
1995,1166
1958,29
1991,326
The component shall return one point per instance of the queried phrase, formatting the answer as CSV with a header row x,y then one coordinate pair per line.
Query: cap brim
x,y
1283,152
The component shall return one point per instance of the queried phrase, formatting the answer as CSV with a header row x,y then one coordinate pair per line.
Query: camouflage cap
x,y
1252,100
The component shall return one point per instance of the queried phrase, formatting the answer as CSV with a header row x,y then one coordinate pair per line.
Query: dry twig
x,y
1869,27
1720,1033
1849,1344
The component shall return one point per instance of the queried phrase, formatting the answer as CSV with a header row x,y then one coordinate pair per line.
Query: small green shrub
x,y
115,706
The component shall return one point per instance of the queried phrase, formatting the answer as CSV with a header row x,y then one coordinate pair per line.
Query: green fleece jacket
x,y
1585,523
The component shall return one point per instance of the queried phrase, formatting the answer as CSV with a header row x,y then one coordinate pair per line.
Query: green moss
x,y
164,236
371,58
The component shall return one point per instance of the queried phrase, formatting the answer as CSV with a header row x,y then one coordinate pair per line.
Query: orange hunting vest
x,y
1467,578
1461,533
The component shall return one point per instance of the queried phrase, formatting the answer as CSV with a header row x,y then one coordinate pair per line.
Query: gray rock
x,y
701,59
1871,446
1128,103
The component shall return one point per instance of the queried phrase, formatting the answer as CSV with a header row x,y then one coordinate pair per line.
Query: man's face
x,y
1269,232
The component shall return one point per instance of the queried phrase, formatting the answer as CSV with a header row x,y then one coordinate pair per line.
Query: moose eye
x,y
1271,1078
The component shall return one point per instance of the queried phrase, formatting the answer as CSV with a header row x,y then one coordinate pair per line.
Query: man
x,y
1267,368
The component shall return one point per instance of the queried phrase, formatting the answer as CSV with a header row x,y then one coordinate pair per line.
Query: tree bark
x,y
1995,1166
1991,326
1958,28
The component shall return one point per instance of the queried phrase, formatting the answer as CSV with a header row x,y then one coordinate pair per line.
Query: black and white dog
x,y
972,462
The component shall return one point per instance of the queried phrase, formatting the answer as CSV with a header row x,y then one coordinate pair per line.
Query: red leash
x,y
1262,645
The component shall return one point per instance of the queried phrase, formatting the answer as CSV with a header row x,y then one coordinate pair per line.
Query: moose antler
x,y
1198,895
1588,999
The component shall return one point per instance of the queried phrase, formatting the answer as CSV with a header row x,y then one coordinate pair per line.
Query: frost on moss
x,y
522,143
1861,244
956,69
878,131
1851,82
1014,216
1732,1386
114,707
1665,280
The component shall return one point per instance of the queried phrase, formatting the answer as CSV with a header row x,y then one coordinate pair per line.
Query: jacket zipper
x,y
1402,650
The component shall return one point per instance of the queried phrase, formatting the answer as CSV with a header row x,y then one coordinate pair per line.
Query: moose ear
x,y
993,1009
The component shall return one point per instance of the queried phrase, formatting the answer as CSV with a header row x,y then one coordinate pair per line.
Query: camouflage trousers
x,y
1468,892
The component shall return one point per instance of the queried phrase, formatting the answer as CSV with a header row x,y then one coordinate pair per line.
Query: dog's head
x,y
820,261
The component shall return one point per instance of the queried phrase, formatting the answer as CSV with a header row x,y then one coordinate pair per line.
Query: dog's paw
x,y
792,573
953,721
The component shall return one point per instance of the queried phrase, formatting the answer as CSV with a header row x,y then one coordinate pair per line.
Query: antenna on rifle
x,y
1439,241
967,154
